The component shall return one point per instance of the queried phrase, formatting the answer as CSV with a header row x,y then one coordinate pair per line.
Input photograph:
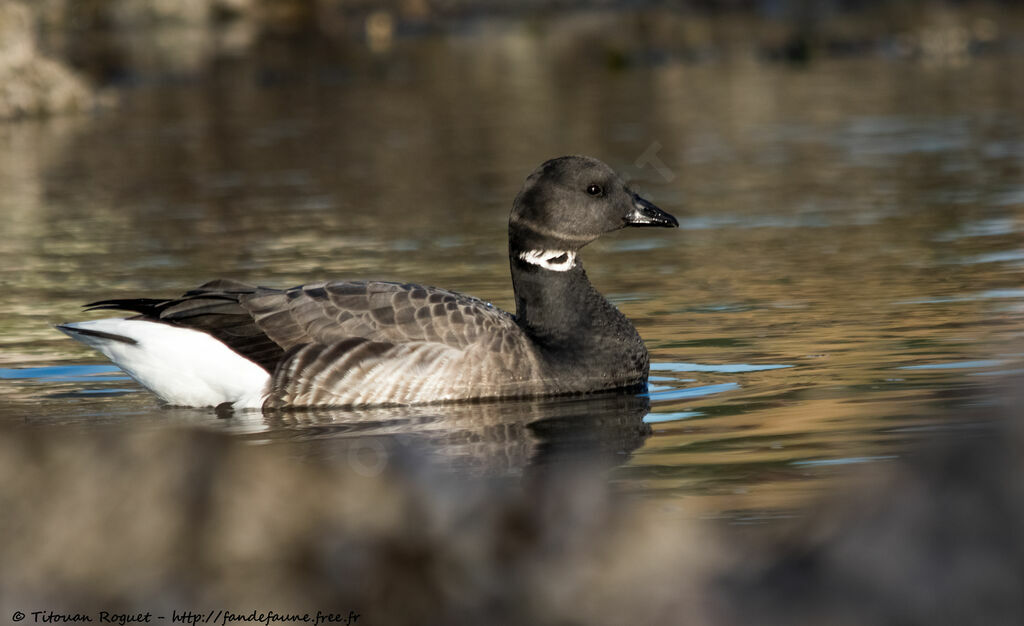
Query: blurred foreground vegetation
x,y
192,520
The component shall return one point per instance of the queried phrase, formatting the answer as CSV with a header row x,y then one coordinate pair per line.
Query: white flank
x,y
183,367
546,259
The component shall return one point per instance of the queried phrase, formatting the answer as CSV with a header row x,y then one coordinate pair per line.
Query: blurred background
x,y
838,320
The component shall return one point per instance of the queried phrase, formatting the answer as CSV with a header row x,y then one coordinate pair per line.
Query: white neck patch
x,y
554,260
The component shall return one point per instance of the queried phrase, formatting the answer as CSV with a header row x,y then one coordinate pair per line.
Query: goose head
x,y
569,202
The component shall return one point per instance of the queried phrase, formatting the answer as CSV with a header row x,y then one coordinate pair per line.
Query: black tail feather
x,y
145,306
96,333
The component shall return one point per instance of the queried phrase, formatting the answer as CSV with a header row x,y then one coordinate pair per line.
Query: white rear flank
x,y
183,367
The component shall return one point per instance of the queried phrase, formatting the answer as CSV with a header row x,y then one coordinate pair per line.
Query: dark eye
x,y
595,190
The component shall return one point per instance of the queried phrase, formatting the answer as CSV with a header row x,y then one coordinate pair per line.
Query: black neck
x,y
562,310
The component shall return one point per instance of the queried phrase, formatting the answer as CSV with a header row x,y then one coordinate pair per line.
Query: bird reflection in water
x,y
500,438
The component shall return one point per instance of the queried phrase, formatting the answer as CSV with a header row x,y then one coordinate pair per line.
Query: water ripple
x,y
674,416
691,392
955,365
725,368
65,373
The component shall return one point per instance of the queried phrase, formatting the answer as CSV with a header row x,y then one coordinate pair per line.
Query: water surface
x,y
846,281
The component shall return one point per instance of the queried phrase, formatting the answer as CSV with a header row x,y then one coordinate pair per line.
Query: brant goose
x,y
370,343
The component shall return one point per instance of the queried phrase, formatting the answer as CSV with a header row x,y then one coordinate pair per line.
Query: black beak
x,y
646,214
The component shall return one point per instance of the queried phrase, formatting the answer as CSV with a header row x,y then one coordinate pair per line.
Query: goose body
x,y
355,343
